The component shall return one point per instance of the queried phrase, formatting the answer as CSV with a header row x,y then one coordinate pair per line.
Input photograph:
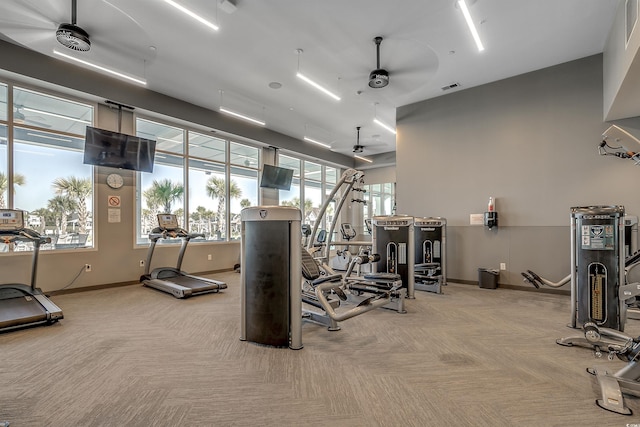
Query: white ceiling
x,y
426,46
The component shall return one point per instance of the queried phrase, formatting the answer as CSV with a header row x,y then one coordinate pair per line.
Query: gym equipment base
x,y
395,301
580,341
612,387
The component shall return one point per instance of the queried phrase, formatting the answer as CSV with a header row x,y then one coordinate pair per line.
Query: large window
x,y
221,178
312,183
48,178
243,185
312,192
162,191
3,102
207,186
291,197
380,200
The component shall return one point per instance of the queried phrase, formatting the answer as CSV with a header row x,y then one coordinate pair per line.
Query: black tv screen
x,y
276,177
117,150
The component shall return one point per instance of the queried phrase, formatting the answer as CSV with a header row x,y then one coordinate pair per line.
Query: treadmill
x,y
173,280
22,306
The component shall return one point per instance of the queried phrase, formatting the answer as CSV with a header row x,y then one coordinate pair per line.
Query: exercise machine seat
x,y
381,276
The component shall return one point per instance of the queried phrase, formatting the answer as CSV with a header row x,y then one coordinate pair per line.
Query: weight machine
x,y
394,239
360,289
599,291
430,254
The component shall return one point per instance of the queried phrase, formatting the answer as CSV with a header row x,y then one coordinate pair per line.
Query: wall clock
x,y
115,180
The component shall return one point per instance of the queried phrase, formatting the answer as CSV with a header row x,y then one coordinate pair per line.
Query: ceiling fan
x,y
399,78
72,36
379,77
36,24
357,148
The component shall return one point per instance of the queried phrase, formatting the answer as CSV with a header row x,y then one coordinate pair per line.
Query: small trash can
x,y
488,279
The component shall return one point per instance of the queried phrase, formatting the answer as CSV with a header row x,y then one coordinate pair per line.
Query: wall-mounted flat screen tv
x,y
276,177
117,150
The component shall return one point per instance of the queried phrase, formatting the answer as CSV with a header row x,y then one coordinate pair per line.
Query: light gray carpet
x,y
133,356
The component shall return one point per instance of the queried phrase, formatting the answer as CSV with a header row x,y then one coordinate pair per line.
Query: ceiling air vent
x,y
451,86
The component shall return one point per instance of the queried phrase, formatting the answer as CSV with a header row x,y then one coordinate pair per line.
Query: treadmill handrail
x,y
24,235
173,233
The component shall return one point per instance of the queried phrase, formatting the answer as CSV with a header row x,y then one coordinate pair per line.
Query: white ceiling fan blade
x,y
39,14
28,37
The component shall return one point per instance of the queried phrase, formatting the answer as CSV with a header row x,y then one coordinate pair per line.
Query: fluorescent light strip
x,y
158,138
193,15
306,138
48,137
98,67
363,158
317,86
60,116
241,116
470,24
35,153
387,127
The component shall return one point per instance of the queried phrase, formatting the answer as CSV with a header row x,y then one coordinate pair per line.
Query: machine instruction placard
x,y
597,237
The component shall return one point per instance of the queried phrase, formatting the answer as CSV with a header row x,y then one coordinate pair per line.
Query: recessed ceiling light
x,y
275,85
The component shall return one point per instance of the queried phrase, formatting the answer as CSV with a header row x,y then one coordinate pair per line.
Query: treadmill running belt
x,y
20,311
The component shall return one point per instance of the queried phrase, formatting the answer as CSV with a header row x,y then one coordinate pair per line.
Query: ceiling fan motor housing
x,y
378,78
73,37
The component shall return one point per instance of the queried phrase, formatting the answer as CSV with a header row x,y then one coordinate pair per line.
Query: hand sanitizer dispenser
x,y
491,216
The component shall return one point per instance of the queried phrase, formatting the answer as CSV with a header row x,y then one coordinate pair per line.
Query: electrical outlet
x,y
209,257
87,267
503,266
141,263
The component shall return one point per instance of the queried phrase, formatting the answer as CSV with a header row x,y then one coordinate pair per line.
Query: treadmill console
x,y
11,220
168,221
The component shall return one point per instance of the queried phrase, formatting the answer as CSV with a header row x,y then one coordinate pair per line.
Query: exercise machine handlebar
x,y
537,281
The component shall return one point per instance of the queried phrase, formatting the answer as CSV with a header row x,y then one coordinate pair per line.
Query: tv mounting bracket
x,y
113,104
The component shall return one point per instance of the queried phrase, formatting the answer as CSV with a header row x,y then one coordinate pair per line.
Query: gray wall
x,y
531,143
